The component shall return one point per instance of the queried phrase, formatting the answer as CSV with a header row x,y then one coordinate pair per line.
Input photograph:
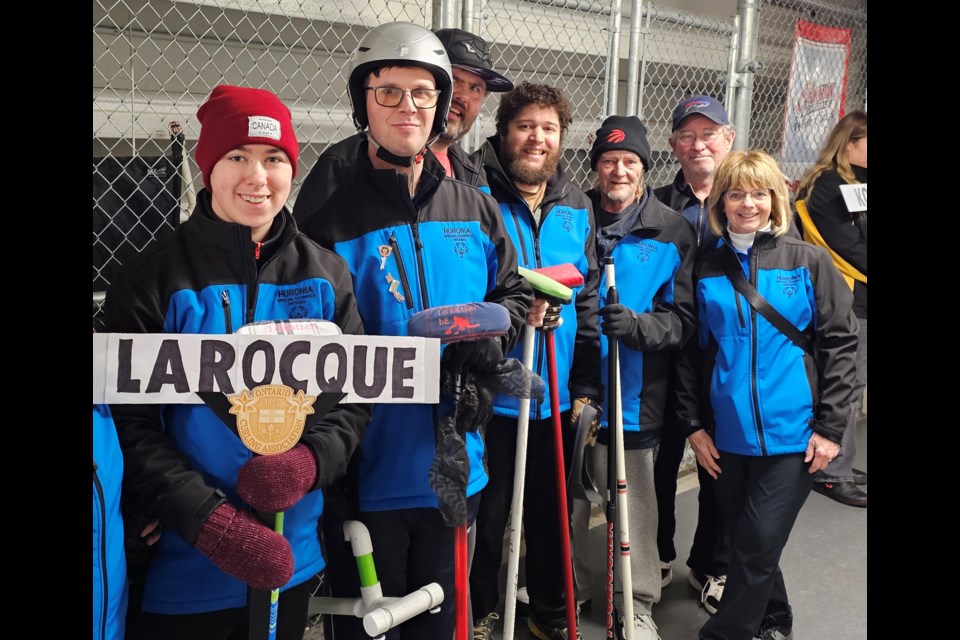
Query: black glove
x,y
551,320
475,356
622,323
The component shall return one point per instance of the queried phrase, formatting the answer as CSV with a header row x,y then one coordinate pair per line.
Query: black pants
x,y
761,498
226,624
544,565
710,552
411,548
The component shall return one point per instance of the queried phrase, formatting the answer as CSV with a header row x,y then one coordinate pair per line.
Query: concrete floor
x,y
824,564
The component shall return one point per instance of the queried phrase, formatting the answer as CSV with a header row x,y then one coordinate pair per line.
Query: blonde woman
x,y
828,223
762,412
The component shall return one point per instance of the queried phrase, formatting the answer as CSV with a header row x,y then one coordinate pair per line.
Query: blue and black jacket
x,y
468,168
445,245
749,384
566,234
653,262
210,277
109,561
680,197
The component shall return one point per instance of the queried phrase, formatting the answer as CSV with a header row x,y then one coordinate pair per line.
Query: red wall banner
x,y
816,94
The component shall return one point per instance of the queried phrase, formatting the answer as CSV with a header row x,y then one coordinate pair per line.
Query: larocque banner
x,y
816,94
150,368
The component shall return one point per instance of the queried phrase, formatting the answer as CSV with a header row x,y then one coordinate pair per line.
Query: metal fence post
x,y
613,60
746,66
633,58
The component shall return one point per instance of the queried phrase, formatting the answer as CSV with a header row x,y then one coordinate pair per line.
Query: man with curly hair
x,y
551,222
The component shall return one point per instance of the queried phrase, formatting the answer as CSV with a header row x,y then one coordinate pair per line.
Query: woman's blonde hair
x,y
833,155
746,170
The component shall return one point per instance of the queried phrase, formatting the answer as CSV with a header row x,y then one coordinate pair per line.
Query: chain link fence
x,y
155,61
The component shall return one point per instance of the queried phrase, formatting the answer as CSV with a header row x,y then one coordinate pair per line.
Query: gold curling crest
x,y
270,419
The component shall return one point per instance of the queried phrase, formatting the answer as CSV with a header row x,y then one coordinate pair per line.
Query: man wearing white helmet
x,y
412,239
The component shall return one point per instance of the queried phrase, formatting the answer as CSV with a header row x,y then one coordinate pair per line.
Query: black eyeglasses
x,y
393,96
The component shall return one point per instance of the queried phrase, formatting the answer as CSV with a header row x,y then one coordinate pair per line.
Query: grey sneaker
x,y
483,630
644,628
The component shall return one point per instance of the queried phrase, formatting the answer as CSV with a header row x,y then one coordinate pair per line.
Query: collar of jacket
x,y
557,185
390,181
206,221
652,215
763,239
464,169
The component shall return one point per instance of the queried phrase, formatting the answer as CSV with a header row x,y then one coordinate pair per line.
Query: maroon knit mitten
x,y
276,483
246,549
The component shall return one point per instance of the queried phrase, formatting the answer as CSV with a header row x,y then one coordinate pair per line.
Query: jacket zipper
x,y
254,279
402,269
225,303
98,490
523,242
754,267
418,248
736,296
700,224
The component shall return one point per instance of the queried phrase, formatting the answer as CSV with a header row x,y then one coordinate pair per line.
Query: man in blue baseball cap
x,y
702,137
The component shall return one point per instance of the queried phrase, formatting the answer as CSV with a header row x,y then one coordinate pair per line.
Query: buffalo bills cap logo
x,y
695,104
617,135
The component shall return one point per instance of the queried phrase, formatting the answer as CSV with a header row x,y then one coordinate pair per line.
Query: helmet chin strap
x,y
400,161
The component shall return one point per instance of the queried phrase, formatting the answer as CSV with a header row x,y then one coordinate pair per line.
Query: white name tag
x,y
855,195
263,127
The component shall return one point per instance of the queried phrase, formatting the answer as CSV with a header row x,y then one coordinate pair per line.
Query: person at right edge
x,y
653,251
828,223
763,410
551,222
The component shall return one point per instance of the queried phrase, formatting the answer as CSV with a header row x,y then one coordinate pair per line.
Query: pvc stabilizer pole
x,y
384,618
355,532
516,504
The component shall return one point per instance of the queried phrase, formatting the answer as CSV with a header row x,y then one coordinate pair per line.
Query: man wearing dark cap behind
x,y
653,251
473,79
702,136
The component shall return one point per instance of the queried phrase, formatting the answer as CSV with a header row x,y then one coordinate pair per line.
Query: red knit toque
x,y
235,116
